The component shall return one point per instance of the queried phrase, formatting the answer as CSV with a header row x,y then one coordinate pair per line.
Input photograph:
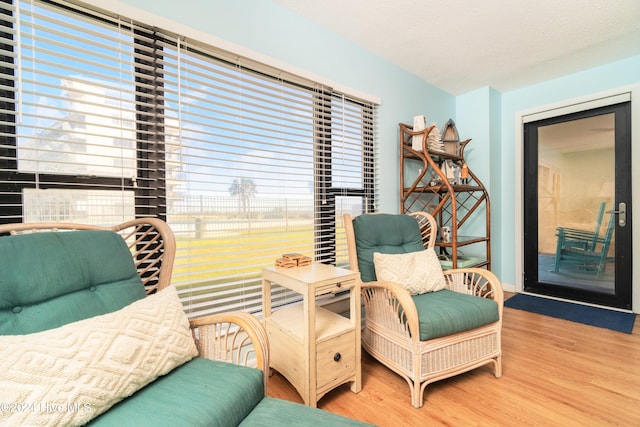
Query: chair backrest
x,y
386,233
596,232
599,217
56,273
608,236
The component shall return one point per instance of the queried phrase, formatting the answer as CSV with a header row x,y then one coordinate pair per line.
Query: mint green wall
x,y
266,27
478,118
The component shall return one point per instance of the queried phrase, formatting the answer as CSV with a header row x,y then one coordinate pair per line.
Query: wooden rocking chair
x,y
580,238
583,249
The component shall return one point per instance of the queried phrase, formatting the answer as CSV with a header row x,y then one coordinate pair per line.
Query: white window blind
x,y
104,119
68,117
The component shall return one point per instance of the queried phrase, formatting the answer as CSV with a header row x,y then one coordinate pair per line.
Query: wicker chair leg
x,y
498,365
417,394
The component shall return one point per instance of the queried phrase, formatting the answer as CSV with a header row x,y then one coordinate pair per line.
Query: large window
x,y
104,119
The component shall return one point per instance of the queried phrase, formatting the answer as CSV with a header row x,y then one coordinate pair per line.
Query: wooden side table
x,y
314,348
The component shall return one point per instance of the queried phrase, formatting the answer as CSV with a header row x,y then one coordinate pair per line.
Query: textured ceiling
x,y
462,45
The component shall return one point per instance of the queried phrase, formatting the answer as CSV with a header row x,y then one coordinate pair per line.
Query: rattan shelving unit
x,y
424,186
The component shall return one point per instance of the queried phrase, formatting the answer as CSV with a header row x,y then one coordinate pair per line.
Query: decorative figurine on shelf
x,y
446,234
434,140
451,171
464,173
419,123
449,132
450,138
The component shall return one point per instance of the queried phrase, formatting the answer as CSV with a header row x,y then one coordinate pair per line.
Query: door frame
x,y
614,96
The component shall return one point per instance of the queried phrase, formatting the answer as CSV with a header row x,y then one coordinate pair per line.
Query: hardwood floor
x,y
555,373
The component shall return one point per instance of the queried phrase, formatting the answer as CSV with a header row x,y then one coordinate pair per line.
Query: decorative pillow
x,y
71,374
418,272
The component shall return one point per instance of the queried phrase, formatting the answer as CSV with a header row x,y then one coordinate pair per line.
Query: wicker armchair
x,y
392,326
235,337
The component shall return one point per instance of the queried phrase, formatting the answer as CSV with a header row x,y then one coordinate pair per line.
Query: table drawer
x,y
335,287
335,359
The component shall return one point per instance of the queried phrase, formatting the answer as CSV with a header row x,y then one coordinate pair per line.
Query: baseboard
x,y
507,287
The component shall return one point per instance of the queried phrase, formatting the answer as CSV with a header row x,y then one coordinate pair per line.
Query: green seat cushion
x,y
384,233
446,312
201,392
277,412
50,279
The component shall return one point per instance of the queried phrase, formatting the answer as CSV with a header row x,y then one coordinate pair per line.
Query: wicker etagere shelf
x,y
425,185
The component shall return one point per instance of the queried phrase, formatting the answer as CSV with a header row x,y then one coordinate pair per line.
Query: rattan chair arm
x,y
391,301
476,281
235,337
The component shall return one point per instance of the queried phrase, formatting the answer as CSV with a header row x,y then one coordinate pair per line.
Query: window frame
x,y
151,199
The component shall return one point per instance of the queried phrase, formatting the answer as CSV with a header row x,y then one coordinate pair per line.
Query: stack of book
x,y
293,260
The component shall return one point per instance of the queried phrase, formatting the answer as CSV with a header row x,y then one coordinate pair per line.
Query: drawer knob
x,y
339,284
337,357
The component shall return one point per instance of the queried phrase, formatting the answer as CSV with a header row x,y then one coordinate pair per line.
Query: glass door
x,y
577,204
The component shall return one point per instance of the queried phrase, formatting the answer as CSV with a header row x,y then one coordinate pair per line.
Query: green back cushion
x,y
447,312
384,233
201,392
50,279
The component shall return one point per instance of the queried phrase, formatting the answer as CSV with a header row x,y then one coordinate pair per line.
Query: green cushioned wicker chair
x,y
96,304
430,336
